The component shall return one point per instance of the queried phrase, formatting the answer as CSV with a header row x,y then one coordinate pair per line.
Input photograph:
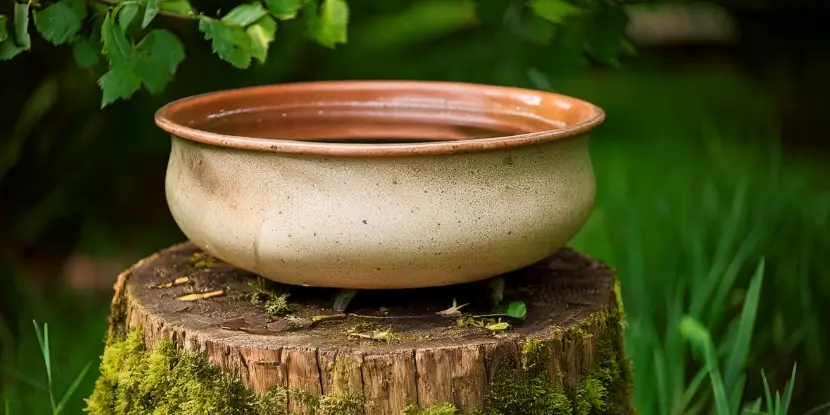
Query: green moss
x,y
533,354
273,402
590,394
276,305
514,393
341,403
166,380
442,409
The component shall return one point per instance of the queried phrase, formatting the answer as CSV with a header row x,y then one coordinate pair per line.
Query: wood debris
x,y
201,296
177,281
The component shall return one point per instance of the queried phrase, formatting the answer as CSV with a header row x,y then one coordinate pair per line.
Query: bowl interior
x,y
406,116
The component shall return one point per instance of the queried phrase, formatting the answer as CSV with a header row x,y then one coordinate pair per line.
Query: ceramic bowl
x,y
379,184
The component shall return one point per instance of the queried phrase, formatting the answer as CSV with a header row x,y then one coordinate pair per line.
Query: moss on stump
x,y
391,355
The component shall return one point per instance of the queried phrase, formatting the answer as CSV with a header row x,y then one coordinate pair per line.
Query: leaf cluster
x,y
138,54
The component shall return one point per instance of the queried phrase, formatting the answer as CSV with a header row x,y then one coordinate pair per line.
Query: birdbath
x,y
447,205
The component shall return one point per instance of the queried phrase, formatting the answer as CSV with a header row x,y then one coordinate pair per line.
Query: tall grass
x,y
693,189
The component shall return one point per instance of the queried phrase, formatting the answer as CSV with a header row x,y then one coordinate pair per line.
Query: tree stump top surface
x,y
560,291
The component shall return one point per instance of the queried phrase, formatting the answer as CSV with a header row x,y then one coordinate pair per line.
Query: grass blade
x,y
737,393
692,388
46,358
73,387
767,392
777,408
8,407
819,408
701,339
660,375
753,409
736,360
25,379
788,393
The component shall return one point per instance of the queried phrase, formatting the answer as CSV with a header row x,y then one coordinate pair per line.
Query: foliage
x,y
442,409
245,32
681,244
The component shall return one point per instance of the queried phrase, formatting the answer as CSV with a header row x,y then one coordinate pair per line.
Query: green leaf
x,y
334,20
85,52
61,21
605,31
9,50
517,309
284,9
78,6
151,9
231,43
156,59
73,387
4,33
120,82
177,6
126,16
492,12
555,11
262,34
244,14
164,46
21,26
116,46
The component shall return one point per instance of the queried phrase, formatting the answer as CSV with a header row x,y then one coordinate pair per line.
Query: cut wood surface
x,y
391,346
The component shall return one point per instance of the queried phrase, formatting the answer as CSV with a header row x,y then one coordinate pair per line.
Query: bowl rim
x,y
165,119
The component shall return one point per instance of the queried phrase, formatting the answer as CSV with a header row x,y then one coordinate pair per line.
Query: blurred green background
x,y
713,157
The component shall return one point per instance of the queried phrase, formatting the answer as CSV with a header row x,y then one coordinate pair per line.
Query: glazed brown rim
x,y
528,99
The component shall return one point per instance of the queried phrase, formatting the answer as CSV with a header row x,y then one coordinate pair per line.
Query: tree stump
x,y
256,347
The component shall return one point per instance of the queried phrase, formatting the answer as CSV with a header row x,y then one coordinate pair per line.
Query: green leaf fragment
x,y
517,309
156,59
334,20
555,11
163,46
262,34
21,26
151,9
284,9
4,33
60,22
176,6
244,14
116,46
118,83
231,43
77,6
85,52
8,50
126,16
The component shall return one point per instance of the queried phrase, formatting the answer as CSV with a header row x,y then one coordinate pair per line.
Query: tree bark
x,y
396,357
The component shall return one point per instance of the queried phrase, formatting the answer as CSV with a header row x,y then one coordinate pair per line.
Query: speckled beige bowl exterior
x,y
501,178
